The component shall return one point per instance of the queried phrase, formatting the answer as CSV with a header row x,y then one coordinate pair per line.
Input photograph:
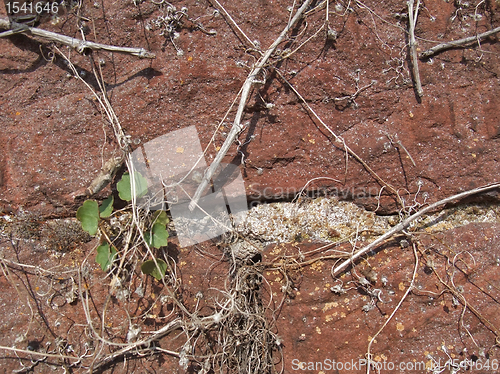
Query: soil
x,y
359,81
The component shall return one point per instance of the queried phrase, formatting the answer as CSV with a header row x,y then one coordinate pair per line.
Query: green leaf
x,y
158,237
124,186
106,207
160,216
105,256
149,267
88,215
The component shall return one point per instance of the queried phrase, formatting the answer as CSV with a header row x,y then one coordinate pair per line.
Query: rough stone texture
x,y
53,132
54,141
319,324
314,323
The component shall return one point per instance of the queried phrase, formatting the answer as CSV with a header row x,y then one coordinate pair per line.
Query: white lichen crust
x,y
320,219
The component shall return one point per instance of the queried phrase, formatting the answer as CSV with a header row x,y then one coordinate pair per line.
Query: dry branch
x,y
403,225
236,128
412,17
78,44
457,43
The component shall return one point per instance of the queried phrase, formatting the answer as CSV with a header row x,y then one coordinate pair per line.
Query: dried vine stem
x,y
78,44
245,92
404,224
412,17
457,43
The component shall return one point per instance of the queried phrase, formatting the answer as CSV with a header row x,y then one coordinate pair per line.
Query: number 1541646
x,y
19,8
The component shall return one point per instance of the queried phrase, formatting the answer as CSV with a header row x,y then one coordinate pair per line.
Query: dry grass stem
x,y
453,290
233,22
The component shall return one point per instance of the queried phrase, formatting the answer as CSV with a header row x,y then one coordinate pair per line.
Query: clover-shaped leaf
x,y
124,186
149,267
158,237
160,216
105,256
106,207
88,215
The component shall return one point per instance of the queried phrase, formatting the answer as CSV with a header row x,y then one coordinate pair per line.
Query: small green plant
x,y
106,207
92,217
124,186
88,215
158,236
149,267
105,256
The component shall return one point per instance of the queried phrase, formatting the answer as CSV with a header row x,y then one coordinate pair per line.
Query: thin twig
x,y
363,6
78,44
341,140
464,302
351,98
403,225
233,22
121,138
457,43
368,354
412,17
173,325
42,354
235,130
289,54
316,9
397,143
